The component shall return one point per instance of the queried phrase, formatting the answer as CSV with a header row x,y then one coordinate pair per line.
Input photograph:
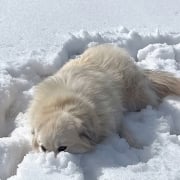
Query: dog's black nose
x,y
61,148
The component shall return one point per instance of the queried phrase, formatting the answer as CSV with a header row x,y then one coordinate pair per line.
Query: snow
x,y
38,37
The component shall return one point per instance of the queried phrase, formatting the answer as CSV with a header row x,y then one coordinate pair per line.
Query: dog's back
x,y
137,87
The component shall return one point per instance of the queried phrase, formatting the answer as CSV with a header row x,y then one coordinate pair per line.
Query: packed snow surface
x,y
157,130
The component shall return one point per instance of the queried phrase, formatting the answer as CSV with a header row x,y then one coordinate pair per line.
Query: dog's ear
x,y
35,144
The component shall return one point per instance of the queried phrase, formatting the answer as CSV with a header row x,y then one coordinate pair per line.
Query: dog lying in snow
x,y
81,104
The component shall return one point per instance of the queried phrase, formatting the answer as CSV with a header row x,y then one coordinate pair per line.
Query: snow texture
x,y
158,130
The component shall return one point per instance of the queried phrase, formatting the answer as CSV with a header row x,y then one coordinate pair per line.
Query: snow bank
x,y
157,130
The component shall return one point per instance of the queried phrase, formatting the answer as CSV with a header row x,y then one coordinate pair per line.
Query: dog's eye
x,y
84,135
43,148
61,148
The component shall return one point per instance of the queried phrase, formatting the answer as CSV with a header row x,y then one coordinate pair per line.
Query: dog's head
x,y
65,133
64,124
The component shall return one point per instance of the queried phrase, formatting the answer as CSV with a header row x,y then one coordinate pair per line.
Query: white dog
x,y
84,101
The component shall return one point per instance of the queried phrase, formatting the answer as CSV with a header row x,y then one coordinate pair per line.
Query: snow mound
x,y
157,130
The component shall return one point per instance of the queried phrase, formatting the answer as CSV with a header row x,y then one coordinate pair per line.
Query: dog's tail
x,y
163,83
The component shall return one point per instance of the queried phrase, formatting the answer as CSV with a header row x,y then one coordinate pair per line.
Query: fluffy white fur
x,y
84,101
